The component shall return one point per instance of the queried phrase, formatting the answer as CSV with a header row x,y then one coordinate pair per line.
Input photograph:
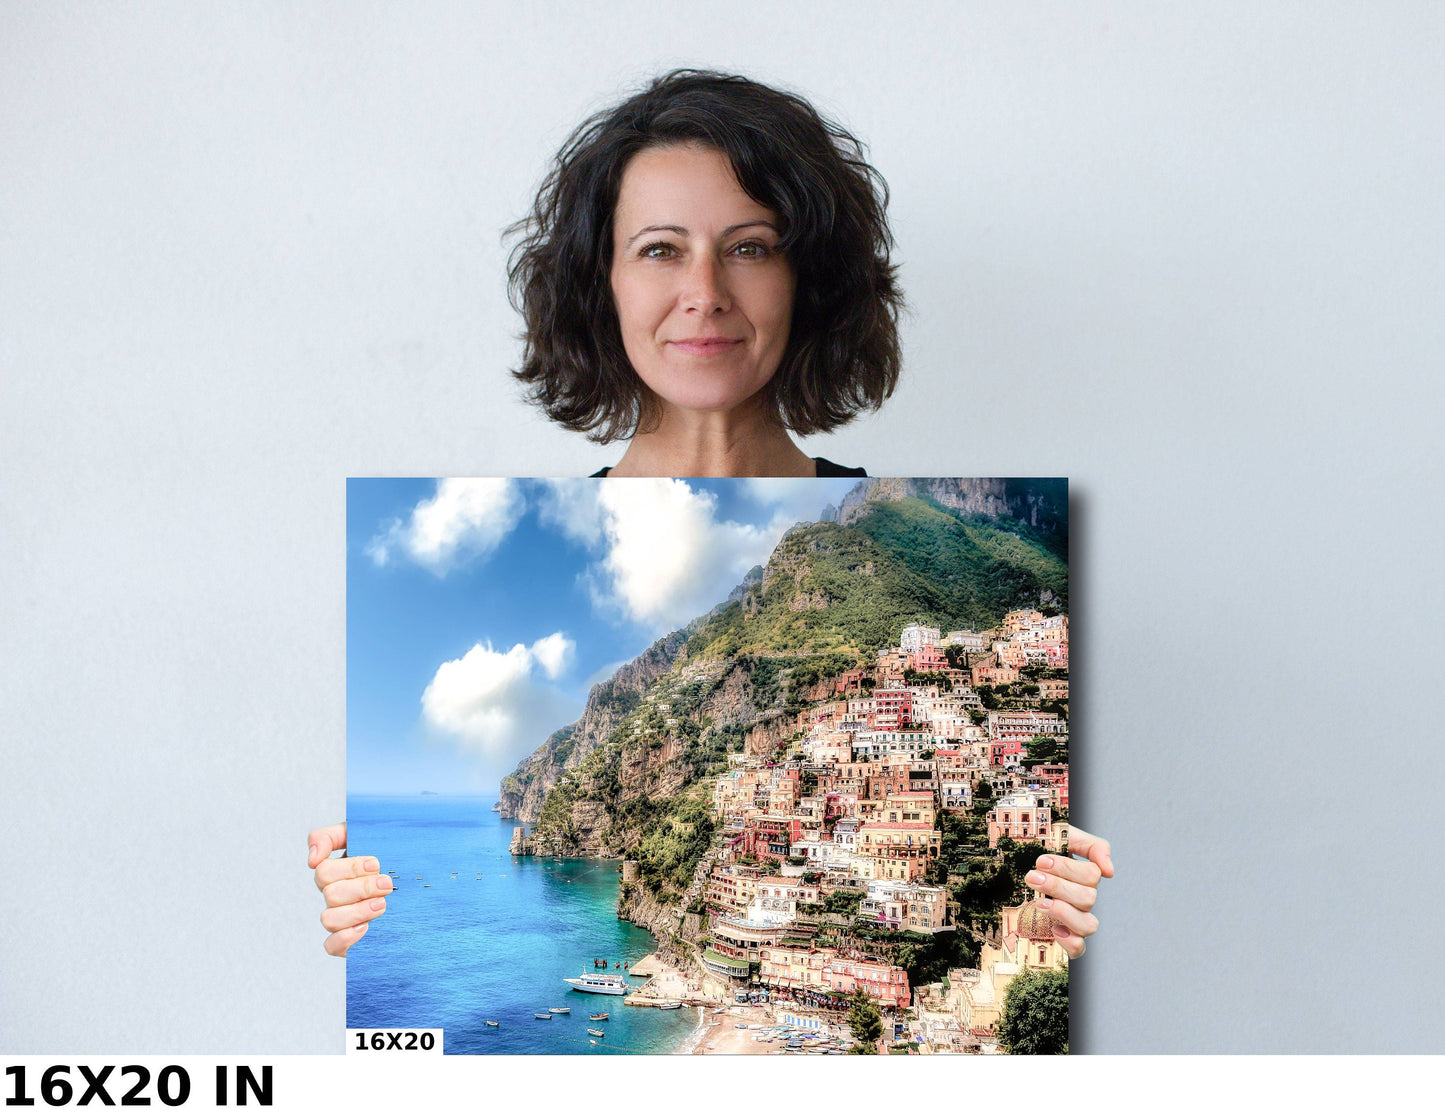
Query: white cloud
x,y
553,653
497,703
666,557
571,506
467,517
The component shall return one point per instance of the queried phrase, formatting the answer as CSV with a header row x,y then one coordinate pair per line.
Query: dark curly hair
x,y
843,352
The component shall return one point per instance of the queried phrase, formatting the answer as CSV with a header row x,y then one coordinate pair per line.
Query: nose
x,y
705,286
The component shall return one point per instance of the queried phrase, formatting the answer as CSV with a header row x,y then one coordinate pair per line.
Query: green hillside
x,y
830,597
831,587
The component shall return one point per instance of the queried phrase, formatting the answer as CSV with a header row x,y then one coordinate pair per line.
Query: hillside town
x,y
829,841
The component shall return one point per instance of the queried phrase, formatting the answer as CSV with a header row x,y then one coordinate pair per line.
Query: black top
x,y
825,469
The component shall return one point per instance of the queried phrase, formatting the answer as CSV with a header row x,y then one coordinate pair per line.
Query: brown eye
x,y
751,250
658,250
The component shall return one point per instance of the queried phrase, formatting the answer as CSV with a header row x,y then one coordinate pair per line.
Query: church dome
x,y
1035,924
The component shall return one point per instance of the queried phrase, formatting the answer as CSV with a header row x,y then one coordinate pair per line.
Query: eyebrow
x,y
680,231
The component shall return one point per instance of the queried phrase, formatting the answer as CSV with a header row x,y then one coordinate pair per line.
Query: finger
x,y
339,868
1075,923
321,843
1080,872
1095,849
1073,945
349,915
1081,896
338,944
353,889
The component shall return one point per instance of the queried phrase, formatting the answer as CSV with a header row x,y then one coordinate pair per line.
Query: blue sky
x,y
480,611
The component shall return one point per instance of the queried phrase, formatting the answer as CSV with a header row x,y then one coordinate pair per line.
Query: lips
x,y
706,346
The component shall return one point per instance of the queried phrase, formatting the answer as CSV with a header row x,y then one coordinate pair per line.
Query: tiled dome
x,y
1035,924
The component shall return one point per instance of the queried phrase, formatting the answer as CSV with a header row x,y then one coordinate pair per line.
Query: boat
x,y
542,1015
671,1004
595,1032
560,1011
493,1024
599,983
598,1016
600,963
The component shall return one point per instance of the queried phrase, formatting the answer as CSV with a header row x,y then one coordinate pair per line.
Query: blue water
x,y
495,941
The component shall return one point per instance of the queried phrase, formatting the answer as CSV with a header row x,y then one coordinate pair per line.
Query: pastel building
x,y
916,636
1023,816
905,906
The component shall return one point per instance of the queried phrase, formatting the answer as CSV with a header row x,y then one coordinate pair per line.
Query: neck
x,y
746,442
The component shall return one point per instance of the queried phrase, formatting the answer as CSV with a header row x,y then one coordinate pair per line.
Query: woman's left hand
x,y
1070,888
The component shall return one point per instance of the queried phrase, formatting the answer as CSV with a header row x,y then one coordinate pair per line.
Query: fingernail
x,y
1045,902
1060,931
1036,879
312,855
378,904
1046,862
371,864
384,883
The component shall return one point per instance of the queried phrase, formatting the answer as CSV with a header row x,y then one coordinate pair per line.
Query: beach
x,y
720,1034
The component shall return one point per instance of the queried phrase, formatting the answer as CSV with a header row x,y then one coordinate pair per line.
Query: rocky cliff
x,y
525,789
1040,503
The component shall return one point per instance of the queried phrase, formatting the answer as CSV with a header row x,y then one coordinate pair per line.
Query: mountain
x,y
950,553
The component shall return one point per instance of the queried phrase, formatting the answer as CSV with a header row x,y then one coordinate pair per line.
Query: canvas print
x,y
709,766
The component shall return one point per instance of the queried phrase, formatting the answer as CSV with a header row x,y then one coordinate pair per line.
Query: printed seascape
x,y
782,749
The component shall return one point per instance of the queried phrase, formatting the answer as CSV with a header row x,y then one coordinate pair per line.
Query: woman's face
x,y
702,294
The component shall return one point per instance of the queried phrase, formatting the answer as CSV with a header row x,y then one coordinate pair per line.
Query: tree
x,y
1035,1018
1041,749
866,1024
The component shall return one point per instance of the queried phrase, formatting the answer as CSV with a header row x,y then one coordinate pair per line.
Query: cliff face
x,y
525,789
1042,504
638,905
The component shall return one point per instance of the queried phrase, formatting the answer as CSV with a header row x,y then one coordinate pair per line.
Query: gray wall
x,y
1188,256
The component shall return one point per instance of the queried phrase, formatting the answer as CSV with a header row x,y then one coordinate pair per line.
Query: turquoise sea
x,y
492,937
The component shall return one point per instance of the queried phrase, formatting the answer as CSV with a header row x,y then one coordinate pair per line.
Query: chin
x,y
693,395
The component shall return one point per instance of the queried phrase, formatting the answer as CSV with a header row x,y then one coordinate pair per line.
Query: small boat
x,y
595,1032
493,1024
542,1015
600,963
560,1011
592,1041
598,1016
671,1004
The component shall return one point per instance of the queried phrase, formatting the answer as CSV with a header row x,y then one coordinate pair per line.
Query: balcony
x,y
724,966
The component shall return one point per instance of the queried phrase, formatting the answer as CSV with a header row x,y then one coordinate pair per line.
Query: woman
x,y
705,271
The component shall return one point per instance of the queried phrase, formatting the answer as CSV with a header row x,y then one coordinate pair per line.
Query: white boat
x,y
611,984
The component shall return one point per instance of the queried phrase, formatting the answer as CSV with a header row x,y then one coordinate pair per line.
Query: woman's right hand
x,y
354,887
